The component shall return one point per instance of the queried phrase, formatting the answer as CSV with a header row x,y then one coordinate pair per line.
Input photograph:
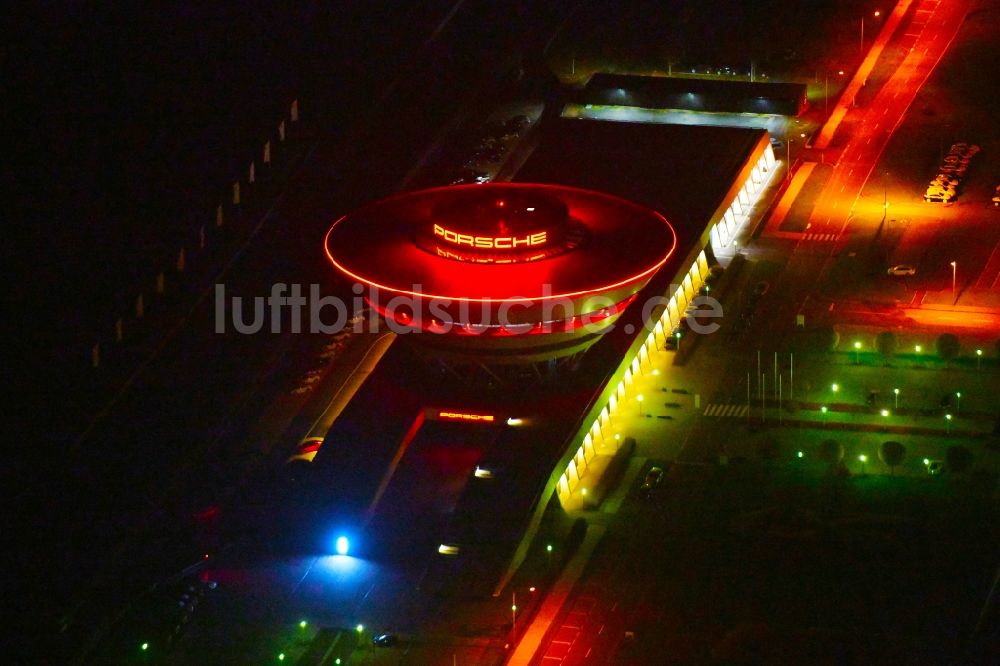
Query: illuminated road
x,y
927,38
836,223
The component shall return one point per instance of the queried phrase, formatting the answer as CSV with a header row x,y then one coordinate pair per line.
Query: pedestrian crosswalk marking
x,y
821,237
717,409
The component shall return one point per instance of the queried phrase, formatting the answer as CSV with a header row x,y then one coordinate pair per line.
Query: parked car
x,y
939,197
654,477
471,176
517,123
902,269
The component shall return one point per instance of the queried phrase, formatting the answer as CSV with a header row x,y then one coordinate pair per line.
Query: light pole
x,y
639,398
513,615
857,353
947,420
876,14
979,359
885,195
958,402
954,274
895,393
788,157
863,458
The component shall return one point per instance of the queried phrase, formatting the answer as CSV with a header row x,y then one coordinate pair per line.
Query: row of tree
x,y
958,458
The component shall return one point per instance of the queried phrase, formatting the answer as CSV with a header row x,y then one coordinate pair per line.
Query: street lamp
x,y
947,418
954,272
885,194
826,90
788,157
895,394
863,458
979,359
958,402
876,14
834,387
639,398
857,352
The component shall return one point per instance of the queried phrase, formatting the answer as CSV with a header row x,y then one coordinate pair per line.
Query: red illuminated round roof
x,y
500,242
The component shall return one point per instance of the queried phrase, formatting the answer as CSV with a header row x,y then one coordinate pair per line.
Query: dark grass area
x,y
787,562
783,38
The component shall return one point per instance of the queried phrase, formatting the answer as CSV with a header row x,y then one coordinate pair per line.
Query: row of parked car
x,y
491,149
944,187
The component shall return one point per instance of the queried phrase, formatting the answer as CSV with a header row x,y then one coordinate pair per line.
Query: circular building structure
x,y
501,273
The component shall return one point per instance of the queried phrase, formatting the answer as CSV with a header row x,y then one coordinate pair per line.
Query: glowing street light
x,y
958,402
918,348
954,272
343,545
639,398
834,387
885,412
857,352
876,14
979,359
895,393
947,419
863,458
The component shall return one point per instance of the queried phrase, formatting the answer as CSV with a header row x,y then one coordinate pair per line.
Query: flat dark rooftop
x,y
718,95
681,171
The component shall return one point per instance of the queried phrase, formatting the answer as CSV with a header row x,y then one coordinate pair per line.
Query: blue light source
x,y
343,545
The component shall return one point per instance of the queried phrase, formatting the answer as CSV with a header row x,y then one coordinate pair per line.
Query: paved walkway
x,y
561,589
773,227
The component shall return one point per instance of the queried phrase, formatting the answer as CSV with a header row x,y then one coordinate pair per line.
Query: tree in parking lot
x,y
886,343
831,451
822,339
947,346
892,454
